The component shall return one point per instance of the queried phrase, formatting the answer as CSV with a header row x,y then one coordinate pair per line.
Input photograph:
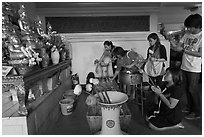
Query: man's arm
x,y
177,47
115,75
194,53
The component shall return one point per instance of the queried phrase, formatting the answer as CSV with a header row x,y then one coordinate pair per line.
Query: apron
x,y
154,68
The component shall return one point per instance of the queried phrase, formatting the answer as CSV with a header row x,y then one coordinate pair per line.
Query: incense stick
x,y
107,97
105,100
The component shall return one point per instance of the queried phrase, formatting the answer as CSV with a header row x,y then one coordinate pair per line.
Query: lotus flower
x,y
89,87
151,52
77,90
91,80
95,81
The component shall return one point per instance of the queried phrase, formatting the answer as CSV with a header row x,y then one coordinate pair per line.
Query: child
x,y
169,114
191,45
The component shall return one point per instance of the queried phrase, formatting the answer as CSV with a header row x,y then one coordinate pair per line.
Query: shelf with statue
x,y
25,44
16,53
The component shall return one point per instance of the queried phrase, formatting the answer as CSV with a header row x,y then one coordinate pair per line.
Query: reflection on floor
x,y
76,123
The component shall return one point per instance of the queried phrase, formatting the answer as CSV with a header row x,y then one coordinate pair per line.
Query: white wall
x,y
88,47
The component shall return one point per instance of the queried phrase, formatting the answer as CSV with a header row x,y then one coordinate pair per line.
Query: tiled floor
x,y
76,123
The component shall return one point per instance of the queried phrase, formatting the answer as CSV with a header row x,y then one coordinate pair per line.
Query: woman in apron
x,y
156,56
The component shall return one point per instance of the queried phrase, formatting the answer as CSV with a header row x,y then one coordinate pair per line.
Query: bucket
x,y
69,95
66,106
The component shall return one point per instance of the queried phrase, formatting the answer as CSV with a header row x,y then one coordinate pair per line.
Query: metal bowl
x,y
129,78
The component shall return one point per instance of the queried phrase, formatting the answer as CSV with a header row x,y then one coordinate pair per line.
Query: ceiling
x,y
113,4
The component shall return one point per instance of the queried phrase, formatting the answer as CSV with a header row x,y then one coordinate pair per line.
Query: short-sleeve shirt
x,y
128,59
193,42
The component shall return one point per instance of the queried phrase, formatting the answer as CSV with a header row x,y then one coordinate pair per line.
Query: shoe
x,y
180,125
186,111
192,116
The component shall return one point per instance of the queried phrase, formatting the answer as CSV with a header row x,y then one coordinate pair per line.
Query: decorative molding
x,y
96,11
100,37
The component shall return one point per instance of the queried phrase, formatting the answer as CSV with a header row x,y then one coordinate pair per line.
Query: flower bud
x,y
88,87
77,90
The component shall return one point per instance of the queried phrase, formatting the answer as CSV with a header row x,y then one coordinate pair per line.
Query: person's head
x,y
174,76
153,39
90,75
193,23
108,45
119,52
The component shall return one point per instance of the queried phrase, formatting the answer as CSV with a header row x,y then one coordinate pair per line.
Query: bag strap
x,y
128,53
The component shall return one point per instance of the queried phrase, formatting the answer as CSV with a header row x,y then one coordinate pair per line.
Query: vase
x,y
111,113
55,56
45,58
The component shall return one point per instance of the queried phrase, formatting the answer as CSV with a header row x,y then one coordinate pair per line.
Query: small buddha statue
x,y
15,48
23,23
49,29
6,8
5,29
40,31
14,42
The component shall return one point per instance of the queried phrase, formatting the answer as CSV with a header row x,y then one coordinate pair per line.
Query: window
x,y
99,24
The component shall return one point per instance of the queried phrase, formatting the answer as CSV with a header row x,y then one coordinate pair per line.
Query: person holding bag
x,y
156,56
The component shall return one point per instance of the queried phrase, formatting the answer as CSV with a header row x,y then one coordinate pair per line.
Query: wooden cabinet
x,y
47,86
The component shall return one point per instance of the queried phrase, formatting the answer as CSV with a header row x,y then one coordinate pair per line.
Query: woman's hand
x,y
96,61
91,100
128,66
141,70
157,60
157,89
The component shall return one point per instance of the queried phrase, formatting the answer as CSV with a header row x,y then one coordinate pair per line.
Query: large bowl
x,y
116,98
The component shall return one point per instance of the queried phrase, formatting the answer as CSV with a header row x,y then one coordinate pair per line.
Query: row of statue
x,y
21,40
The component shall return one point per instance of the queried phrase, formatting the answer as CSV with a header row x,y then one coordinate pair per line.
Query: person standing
x,y
156,56
191,45
104,64
109,46
129,62
126,61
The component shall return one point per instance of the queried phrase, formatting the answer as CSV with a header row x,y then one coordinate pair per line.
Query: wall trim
x,y
100,37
